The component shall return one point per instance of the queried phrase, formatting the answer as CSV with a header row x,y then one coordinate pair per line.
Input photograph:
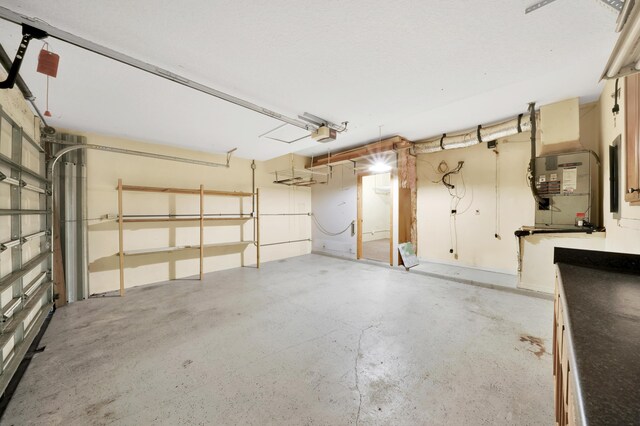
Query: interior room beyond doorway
x,y
376,217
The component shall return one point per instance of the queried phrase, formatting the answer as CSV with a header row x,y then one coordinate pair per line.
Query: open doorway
x,y
375,214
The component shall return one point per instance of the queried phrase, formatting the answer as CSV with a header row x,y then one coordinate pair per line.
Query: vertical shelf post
x,y
257,219
120,238
201,231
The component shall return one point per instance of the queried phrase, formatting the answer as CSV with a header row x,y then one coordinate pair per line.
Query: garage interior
x,y
399,213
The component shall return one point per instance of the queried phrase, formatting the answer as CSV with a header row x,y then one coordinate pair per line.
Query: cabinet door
x,y
571,411
632,116
566,371
560,370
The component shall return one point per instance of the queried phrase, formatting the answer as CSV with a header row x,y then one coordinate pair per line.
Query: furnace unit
x,y
568,185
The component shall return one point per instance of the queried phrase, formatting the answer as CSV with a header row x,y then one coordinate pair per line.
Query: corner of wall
x,y
623,234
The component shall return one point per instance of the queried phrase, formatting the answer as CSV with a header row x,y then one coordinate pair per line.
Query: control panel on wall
x,y
568,185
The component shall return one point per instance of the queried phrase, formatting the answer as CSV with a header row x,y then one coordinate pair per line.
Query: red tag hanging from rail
x,y
48,63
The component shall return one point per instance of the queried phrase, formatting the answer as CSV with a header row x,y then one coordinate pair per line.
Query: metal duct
x,y
470,138
625,57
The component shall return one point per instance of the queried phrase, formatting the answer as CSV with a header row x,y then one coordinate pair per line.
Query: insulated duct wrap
x,y
470,138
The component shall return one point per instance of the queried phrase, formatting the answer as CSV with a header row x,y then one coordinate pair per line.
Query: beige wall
x,y
538,270
105,168
477,246
476,222
335,206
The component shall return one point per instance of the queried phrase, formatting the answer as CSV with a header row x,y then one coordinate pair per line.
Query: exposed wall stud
x,y
201,232
120,238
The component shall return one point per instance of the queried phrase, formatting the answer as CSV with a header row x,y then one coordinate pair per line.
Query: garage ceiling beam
x,y
67,37
385,145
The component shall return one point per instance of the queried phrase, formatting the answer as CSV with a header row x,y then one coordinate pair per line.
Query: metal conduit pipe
x,y
470,138
132,152
286,214
284,242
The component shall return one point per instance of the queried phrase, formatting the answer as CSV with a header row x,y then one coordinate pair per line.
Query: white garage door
x,y
26,291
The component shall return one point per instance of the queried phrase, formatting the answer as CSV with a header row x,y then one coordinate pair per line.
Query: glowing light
x,y
379,167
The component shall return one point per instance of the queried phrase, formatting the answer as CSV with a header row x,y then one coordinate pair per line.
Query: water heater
x,y
568,185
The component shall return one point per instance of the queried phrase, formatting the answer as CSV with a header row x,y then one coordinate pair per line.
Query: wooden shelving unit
x,y
184,247
200,218
184,191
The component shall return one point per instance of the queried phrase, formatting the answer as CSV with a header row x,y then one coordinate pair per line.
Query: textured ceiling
x,y
416,68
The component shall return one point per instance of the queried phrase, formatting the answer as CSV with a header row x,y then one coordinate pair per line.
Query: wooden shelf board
x,y
184,191
184,219
155,250
185,247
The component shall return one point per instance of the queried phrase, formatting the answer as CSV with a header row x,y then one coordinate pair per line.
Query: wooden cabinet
x,y
564,383
596,337
632,114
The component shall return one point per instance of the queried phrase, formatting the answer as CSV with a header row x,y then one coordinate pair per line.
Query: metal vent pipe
x,y
511,127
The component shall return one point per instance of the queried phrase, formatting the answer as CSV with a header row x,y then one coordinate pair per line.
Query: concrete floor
x,y
376,250
310,340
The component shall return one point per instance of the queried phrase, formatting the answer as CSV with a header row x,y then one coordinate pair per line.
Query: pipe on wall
x,y
59,154
70,148
473,137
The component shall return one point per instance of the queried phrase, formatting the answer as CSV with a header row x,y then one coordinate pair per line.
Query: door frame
x,y
359,214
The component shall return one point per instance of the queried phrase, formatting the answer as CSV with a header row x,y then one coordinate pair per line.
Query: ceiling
x,y
415,68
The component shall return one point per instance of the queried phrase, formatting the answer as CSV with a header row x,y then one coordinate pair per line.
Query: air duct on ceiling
x,y
511,127
625,58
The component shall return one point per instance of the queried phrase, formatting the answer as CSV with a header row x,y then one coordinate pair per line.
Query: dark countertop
x,y
603,315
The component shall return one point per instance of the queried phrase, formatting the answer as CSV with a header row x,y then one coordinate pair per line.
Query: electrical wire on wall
x,y
438,170
329,233
457,192
616,107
